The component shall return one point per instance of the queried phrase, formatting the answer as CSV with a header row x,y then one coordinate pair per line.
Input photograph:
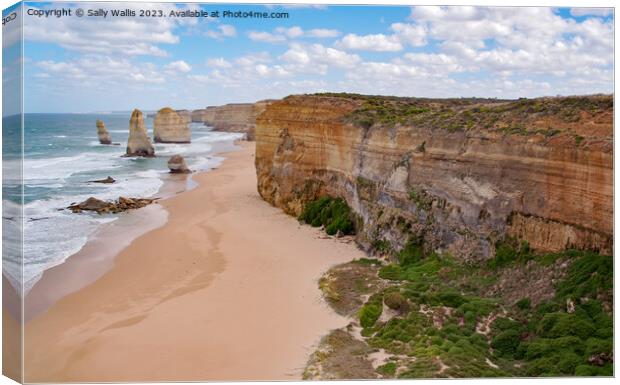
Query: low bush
x,y
332,213
395,301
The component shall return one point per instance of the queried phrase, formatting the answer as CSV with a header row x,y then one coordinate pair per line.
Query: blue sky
x,y
95,64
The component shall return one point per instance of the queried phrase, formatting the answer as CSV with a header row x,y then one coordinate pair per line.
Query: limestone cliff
x,y
459,174
240,117
138,143
102,133
170,127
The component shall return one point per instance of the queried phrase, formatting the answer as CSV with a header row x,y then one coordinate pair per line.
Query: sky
x,y
74,64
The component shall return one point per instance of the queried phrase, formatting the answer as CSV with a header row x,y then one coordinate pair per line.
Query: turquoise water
x,y
61,156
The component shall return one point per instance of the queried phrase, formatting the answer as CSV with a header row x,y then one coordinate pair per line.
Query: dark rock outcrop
x,y
109,179
103,207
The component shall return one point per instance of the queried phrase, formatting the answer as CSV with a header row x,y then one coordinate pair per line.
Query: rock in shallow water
x,y
103,207
103,134
177,165
109,179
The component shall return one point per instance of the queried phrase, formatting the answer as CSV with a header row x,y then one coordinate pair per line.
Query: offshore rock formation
x,y
138,143
170,127
104,207
177,165
103,134
239,117
458,175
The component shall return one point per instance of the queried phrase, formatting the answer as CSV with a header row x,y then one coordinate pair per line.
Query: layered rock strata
x,y
170,127
240,117
442,173
138,143
102,133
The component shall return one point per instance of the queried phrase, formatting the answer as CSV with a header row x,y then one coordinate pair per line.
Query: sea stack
x,y
170,127
138,143
103,134
177,165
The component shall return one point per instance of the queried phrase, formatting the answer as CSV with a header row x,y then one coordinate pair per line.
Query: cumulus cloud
x,y
219,62
88,69
403,35
323,33
222,31
377,42
126,36
317,58
178,66
283,34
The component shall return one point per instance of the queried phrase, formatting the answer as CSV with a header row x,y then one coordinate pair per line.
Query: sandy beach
x,y
225,290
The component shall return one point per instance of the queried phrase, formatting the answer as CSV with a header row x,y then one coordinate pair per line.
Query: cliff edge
x,y
459,175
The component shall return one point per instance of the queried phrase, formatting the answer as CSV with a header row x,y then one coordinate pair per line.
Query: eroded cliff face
x,y
458,185
170,127
239,117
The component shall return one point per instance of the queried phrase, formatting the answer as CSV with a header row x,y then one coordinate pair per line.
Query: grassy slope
x,y
448,321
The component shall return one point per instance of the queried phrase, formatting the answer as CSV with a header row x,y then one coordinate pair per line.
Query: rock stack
x,y
177,165
170,127
103,134
138,143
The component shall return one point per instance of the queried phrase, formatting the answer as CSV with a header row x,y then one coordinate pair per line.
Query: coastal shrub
x,y
506,342
395,301
371,311
506,253
410,254
589,274
544,339
332,213
524,304
388,369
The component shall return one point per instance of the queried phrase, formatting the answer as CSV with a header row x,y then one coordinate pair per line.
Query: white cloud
x,y
91,69
602,12
179,66
282,34
266,37
316,58
253,58
219,62
126,36
403,34
414,35
376,42
223,31
323,33
291,33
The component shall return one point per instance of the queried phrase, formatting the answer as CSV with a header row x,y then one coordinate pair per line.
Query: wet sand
x,y
225,290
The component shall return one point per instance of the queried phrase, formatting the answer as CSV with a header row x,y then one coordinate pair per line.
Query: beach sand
x,y
225,290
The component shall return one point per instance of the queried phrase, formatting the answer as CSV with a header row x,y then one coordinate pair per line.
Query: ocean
x,y
61,156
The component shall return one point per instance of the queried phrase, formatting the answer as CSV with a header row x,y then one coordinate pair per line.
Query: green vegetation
x,y
371,311
421,198
453,328
512,117
332,213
